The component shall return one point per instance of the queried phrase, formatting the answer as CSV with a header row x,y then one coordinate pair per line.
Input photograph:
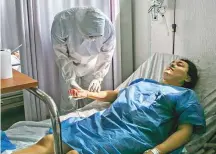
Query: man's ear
x,y
188,79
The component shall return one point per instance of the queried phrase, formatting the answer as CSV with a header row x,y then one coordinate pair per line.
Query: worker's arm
x,y
177,139
59,42
104,59
102,96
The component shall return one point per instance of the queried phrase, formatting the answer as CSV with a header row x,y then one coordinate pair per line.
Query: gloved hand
x,y
95,85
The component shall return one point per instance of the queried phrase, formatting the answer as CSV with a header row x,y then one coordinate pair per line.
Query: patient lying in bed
x,y
145,117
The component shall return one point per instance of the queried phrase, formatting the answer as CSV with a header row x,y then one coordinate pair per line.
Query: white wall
x,y
150,36
141,31
126,38
160,35
196,33
196,28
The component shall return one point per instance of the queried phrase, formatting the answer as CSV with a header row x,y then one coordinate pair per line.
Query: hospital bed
x,y
26,133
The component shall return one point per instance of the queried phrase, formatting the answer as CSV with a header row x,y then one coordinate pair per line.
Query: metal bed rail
x,y
54,114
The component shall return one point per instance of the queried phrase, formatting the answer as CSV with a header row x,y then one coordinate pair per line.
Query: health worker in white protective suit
x,y
83,41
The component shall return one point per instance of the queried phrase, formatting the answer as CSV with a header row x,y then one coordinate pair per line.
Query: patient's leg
x,y
44,146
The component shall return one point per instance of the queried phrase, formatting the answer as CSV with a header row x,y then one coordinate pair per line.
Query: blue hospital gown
x,y
144,115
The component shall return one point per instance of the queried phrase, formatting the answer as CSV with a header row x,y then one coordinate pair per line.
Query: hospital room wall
x,y
126,38
139,36
196,33
161,31
196,22
141,31
134,35
149,37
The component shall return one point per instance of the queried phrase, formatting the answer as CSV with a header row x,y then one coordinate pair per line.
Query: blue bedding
x,y
5,143
144,115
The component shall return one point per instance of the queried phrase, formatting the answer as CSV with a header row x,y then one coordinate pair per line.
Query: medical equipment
x,y
14,50
174,28
156,8
154,151
23,134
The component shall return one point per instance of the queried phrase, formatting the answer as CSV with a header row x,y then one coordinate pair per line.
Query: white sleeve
x,y
104,59
59,37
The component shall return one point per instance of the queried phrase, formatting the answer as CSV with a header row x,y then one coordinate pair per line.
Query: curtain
x,y
30,24
117,62
9,32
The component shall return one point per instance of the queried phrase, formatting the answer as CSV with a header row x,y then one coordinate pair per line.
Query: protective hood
x,y
91,22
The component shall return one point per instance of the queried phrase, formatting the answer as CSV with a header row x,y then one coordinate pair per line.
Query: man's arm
x,y
176,140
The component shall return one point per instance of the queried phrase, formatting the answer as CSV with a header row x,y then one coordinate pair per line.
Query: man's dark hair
x,y
192,72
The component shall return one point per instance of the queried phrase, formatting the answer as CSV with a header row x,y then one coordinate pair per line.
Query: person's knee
x,y
46,143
